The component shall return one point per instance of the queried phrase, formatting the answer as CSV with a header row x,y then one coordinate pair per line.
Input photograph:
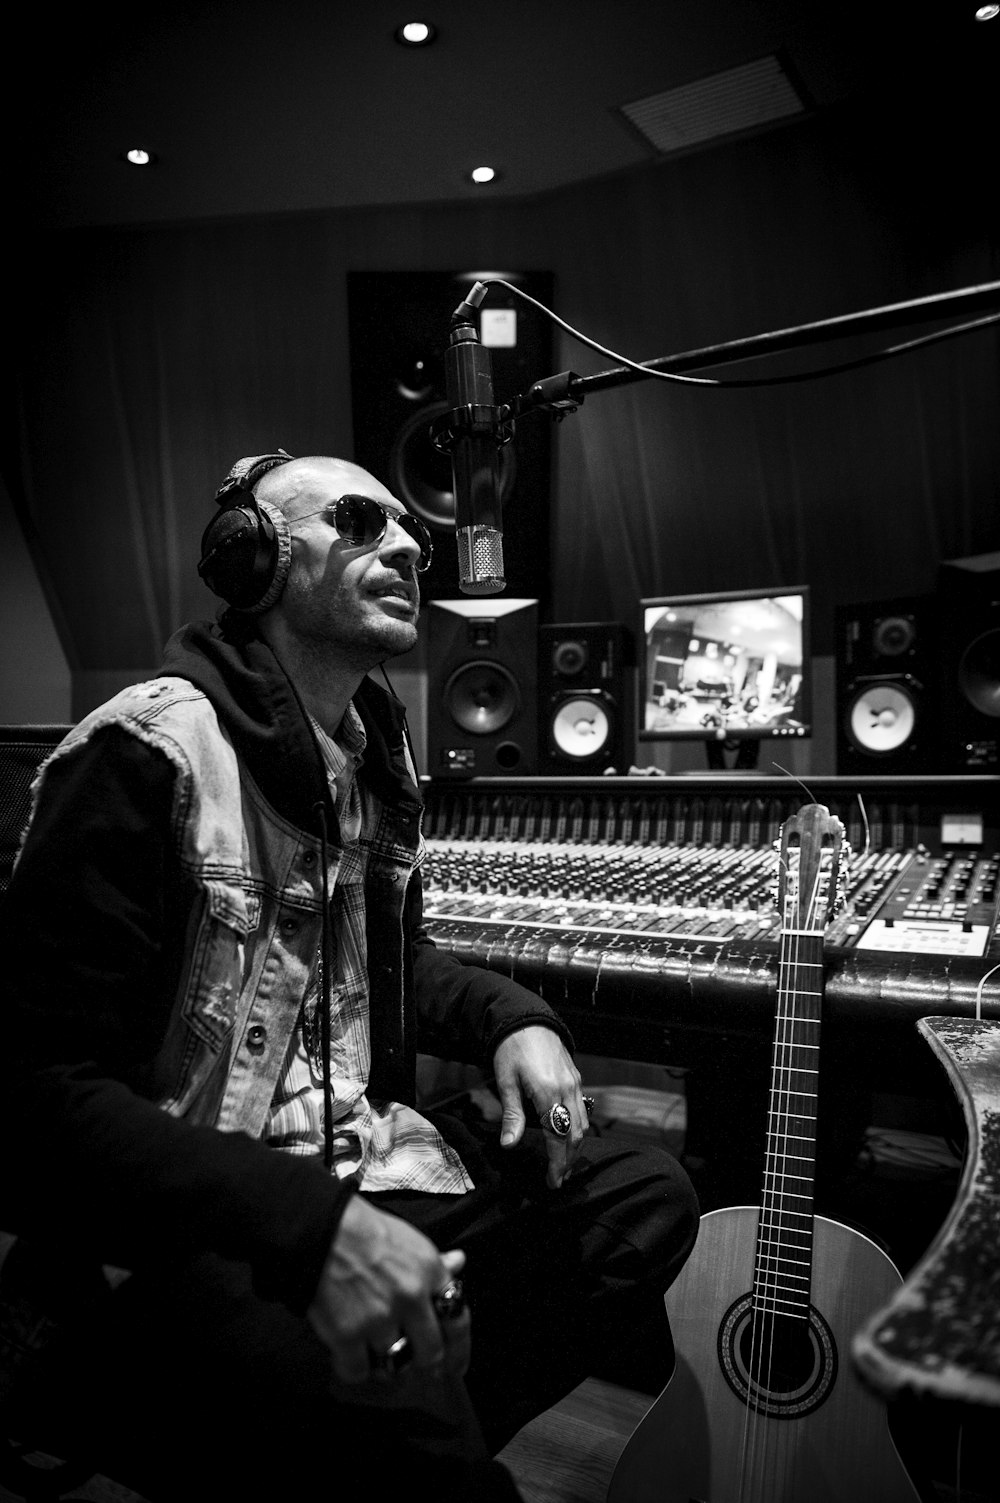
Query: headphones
x,y
246,549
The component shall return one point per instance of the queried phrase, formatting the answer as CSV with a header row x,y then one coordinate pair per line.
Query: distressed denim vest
x,y
256,926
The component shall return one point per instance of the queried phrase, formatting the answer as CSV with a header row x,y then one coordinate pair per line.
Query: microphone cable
x,y
813,375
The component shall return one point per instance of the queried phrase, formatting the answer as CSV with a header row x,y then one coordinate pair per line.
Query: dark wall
x,y
144,360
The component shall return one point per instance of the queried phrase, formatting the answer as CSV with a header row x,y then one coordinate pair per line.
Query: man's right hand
x,y
376,1285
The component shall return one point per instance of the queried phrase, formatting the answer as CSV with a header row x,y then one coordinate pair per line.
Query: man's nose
x,y
398,541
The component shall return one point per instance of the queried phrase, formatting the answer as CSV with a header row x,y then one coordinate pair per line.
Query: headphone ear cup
x,y
245,554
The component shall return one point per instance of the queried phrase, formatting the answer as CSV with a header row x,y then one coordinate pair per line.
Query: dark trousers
x,y
188,1385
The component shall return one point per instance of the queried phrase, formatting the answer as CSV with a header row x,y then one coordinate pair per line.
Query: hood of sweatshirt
x,y
259,707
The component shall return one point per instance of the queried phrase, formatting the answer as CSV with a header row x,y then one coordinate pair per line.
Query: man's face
x,y
361,601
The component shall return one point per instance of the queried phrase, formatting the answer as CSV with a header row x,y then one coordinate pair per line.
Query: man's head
x,y
348,590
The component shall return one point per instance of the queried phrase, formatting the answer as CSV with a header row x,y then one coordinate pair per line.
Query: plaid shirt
x,y
380,1145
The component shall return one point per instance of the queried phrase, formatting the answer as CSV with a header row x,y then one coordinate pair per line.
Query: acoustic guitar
x,y
764,1404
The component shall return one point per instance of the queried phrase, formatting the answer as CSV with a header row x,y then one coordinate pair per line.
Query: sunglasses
x,y
362,521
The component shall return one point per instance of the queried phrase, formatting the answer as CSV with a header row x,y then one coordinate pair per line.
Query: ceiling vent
x,y
739,100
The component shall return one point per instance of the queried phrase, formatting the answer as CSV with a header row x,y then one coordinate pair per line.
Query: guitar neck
x,y
783,1256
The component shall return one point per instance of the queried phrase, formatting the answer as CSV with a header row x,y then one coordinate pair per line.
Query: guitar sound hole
x,y
780,1354
775,1364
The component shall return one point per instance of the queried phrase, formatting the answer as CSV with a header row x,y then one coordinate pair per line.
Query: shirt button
x,y
308,858
288,925
256,1037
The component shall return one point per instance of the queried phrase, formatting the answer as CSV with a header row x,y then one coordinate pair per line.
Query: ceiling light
x,y
138,156
416,34
483,174
987,12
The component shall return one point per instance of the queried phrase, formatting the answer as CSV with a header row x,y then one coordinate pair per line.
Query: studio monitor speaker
x,y
399,324
482,687
888,709
586,698
23,748
969,594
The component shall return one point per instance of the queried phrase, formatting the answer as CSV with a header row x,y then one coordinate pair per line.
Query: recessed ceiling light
x,y
987,12
138,156
416,34
483,174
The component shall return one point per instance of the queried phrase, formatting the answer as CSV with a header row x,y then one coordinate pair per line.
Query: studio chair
x,y
33,1466
25,1472
22,750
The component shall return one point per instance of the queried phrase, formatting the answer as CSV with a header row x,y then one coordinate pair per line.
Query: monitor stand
x,y
747,755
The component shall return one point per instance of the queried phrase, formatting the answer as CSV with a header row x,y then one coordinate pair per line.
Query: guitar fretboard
x,y
783,1256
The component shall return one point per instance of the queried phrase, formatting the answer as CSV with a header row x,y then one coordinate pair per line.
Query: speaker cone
x,y
482,698
581,728
881,718
979,674
420,475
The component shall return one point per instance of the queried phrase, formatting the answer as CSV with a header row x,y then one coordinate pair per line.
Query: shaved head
x,y
303,483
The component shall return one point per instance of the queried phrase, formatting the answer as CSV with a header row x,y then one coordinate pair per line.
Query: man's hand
x,y
376,1285
534,1066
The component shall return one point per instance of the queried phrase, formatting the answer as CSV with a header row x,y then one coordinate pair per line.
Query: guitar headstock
x,y
813,861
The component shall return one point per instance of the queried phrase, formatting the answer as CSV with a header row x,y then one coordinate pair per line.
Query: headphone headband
x,y
246,472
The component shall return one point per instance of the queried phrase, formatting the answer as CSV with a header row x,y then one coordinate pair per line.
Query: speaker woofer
x,y
881,717
979,674
420,475
581,727
482,697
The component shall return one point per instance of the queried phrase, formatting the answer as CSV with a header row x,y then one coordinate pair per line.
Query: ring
x,y
589,1103
393,1358
449,1302
558,1120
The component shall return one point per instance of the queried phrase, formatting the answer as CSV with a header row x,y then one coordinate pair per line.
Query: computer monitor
x,y
729,667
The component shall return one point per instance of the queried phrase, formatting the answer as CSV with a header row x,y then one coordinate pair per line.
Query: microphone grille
x,y
480,560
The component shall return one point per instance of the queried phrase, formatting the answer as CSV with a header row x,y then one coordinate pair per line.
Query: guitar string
x,y
787,1066
759,1363
762,1332
979,991
788,1084
783,1281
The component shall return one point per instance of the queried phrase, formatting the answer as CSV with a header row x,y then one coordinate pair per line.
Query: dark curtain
x,y
144,360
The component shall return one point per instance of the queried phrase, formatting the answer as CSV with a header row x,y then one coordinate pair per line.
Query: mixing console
x,y
669,866
646,907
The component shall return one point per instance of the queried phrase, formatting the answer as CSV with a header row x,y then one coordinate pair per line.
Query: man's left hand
x,y
533,1067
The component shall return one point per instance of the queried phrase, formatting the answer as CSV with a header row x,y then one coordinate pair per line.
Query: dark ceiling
x,y
269,108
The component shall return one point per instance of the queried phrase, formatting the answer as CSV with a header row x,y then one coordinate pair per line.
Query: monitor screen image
x,y
721,667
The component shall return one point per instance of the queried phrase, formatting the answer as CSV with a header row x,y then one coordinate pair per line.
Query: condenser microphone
x,y
475,438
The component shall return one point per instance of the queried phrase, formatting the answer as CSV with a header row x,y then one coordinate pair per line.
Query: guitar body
x,y
817,1435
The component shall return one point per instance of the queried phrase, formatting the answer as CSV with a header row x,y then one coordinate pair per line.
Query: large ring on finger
x,y
392,1359
558,1120
449,1302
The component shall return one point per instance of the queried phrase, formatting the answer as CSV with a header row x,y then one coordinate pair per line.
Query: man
x,y
256,1266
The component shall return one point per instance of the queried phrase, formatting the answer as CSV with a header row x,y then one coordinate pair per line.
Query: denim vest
x,y
257,915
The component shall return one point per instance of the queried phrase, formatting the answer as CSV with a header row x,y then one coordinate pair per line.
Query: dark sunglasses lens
x,y
362,521
359,520
418,532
